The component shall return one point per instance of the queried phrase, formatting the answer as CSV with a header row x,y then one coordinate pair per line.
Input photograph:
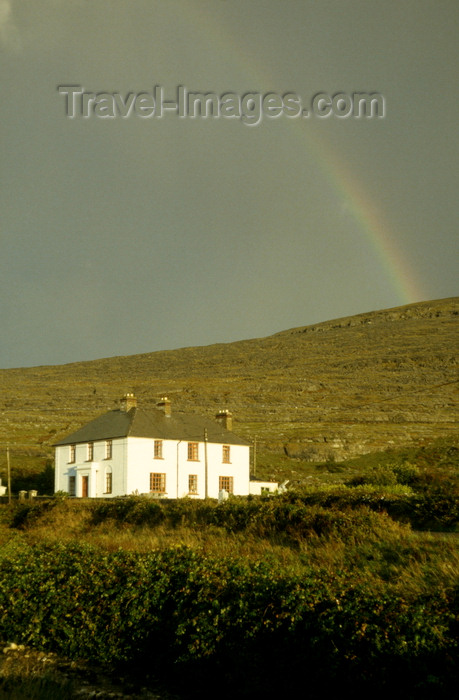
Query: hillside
x,y
328,391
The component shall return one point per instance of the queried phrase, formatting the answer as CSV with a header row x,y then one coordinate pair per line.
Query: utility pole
x,y
8,467
206,489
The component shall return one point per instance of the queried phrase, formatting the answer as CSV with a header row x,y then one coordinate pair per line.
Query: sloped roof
x,y
152,424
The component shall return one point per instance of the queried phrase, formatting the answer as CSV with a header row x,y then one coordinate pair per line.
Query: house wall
x,y
256,488
133,461
96,469
175,464
238,469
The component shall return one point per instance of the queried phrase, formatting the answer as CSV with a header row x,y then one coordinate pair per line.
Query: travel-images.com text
x,y
250,108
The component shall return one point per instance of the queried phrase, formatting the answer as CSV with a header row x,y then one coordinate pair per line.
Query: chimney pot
x,y
164,405
127,402
225,418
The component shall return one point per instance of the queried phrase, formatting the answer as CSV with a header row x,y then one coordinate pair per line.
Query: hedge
x,y
198,620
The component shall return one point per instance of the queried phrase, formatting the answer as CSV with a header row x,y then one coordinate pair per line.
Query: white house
x,y
157,452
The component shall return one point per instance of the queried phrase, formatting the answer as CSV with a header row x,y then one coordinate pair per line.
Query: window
x,y
158,449
72,485
157,483
225,483
108,449
192,483
90,451
72,453
193,451
226,454
108,482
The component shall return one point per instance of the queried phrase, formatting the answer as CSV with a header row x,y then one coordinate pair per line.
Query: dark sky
x,y
127,235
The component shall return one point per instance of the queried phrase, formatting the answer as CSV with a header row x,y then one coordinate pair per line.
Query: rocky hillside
x,y
331,390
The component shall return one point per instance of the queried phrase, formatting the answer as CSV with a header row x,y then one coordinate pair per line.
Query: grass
x,y
351,548
356,540
23,684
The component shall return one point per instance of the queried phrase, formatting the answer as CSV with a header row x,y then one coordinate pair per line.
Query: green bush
x,y
42,481
282,518
377,476
406,473
134,510
27,513
180,611
435,508
335,511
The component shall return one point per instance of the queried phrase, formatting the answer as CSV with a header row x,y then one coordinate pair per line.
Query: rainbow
x,y
373,225
345,185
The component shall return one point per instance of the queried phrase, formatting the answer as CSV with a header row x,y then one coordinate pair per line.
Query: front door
x,y
84,486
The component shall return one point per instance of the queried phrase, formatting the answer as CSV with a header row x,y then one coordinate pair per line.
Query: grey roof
x,y
152,424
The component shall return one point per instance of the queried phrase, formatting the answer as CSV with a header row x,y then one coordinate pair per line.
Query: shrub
x,y
406,473
134,510
288,517
178,612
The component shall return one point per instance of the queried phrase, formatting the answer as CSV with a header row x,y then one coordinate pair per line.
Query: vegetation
x,y
243,622
349,580
327,586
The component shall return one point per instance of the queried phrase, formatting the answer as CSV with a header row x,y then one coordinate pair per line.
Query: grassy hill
x,y
330,391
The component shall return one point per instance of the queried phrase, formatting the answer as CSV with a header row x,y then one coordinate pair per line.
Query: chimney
x,y
127,402
164,405
225,419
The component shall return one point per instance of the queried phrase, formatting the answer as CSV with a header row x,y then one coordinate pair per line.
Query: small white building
x,y
157,452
